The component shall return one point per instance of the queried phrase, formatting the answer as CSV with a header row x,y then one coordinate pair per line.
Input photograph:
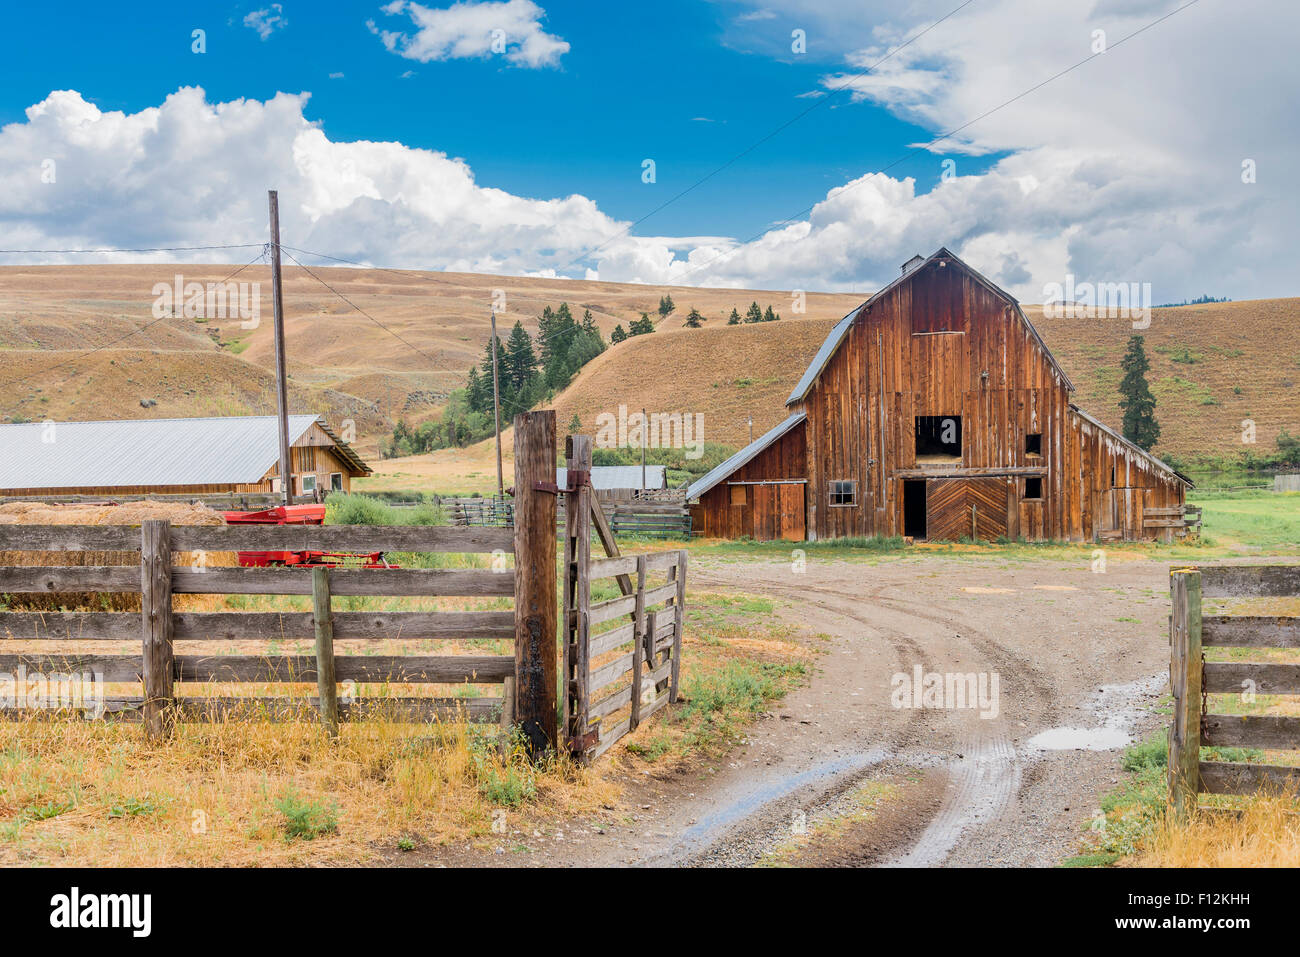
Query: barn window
x,y
1033,488
1034,443
844,492
938,439
336,481
308,484
737,495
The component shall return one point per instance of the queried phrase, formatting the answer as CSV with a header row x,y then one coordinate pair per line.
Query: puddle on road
x,y
1080,739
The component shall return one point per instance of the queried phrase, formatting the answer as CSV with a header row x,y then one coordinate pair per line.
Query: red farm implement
x,y
299,515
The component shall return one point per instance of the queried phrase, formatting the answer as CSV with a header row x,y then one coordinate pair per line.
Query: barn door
x,y
793,516
966,508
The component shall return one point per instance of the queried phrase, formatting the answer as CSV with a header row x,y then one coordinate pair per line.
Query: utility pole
x,y
496,408
281,376
751,430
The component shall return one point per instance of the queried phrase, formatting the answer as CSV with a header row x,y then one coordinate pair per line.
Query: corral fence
x,y
529,676
649,518
1192,679
622,656
1174,521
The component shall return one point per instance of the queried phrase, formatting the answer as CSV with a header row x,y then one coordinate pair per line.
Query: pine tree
x,y
639,327
754,314
666,305
1139,405
770,316
734,318
575,424
475,394
618,335
693,319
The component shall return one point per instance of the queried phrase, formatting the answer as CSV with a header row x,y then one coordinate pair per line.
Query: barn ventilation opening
x,y
938,440
1033,488
1034,443
914,509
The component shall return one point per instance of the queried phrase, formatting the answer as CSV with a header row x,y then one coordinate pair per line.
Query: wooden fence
x,y
615,677
1192,679
163,673
653,519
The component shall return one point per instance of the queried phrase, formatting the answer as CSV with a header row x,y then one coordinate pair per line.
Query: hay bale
x,y
129,513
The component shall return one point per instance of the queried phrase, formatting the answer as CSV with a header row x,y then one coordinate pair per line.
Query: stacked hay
x,y
130,513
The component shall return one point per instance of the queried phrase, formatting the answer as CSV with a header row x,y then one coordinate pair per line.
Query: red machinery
x,y
299,515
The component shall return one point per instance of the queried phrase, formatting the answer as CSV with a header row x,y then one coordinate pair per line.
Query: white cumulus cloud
x,y
512,29
267,20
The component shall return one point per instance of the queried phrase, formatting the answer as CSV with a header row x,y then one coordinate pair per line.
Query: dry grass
x,y
94,793
1264,832
131,513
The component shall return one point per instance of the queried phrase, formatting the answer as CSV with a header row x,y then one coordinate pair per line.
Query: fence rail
x,y
1192,678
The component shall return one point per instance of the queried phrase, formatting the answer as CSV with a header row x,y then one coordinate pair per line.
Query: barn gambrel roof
x,y
841,329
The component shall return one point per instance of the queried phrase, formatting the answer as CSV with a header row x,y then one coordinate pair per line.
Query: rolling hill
x,y
1213,365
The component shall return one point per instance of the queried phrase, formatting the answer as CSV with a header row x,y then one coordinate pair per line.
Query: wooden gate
x,y
959,508
621,656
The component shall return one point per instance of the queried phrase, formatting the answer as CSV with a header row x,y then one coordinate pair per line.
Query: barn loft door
x,y
965,508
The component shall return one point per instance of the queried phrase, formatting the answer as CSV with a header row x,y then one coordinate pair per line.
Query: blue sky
x,y
1165,154
678,81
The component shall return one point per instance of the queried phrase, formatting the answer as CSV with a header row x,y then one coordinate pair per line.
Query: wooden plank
x,y
611,567
663,593
611,639
156,625
348,625
1251,631
577,594
69,626
1273,731
536,601
33,579
375,669
608,705
1230,777
607,674
344,581
1185,682
107,668
1234,677
643,627
606,610
1250,581
342,538
607,541
662,561
327,688
609,737
69,538
678,628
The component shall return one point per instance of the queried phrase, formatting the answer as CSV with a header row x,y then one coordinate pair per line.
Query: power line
x,y
138,249
109,345
938,139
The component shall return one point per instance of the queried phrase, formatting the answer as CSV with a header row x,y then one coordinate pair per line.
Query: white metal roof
x,y
134,452
727,467
607,477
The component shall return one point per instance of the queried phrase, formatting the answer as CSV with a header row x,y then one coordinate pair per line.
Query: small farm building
x,y
131,457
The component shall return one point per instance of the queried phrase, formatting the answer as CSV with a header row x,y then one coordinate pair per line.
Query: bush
x,y
353,509
306,819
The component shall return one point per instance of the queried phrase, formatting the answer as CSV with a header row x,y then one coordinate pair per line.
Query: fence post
x,y
326,684
156,621
679,620
1185,671
577,592
639,652
536,675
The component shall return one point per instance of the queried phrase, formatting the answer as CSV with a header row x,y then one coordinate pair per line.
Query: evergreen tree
x,y
521,362
734,318
770,316
693,319
475,393
639,327
575,424
666,305
1139,405
754,314
618,335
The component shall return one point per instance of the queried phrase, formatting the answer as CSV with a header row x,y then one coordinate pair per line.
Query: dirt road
x,y
1080,658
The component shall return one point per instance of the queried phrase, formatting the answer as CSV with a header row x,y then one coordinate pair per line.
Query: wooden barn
x,y
133,457
935,410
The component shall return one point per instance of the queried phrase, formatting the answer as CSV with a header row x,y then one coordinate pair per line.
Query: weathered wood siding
x,y
765,512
